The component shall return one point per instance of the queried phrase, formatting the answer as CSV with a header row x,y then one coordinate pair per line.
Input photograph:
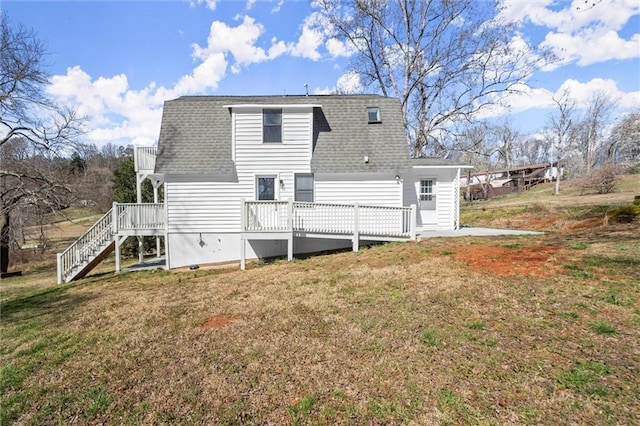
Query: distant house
x,y
497,182
259,176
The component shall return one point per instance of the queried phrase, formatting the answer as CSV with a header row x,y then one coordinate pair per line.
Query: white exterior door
x,y
426,188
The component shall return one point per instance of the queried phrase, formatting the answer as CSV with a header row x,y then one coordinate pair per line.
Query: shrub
x,y
603,179
625,214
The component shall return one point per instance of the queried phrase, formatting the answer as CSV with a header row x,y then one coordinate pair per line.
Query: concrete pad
x,y
156,263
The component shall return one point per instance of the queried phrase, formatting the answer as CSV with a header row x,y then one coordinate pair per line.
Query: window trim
x,y
376,110
312,190
266,125
275,186
430,202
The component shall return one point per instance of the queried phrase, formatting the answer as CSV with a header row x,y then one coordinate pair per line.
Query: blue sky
x,y
117,61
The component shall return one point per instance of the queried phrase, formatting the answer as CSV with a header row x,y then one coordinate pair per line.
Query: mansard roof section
x,y
195,138
196,133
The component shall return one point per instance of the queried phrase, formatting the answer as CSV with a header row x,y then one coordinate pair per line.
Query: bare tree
x,y
29,118
506,139
590,138
562,129
444,59
533,149
623,146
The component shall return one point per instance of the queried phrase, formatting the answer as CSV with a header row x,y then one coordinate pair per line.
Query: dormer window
x,y
373,113
272,125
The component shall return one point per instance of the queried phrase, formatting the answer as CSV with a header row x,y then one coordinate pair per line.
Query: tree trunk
x,y
557,189
4,242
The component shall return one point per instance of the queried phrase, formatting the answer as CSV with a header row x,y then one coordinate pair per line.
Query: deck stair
x,y
107,234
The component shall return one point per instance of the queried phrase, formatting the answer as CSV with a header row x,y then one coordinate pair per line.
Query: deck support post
x,y
114,220
140,250
413,223
243,253
117,244
356,227
290,228
59,263
119,240
243,228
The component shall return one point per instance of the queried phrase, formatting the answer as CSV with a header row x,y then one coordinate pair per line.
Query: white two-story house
x,y
260,176
217,152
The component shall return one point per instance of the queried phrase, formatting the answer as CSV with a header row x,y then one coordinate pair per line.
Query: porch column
x,y
114,219
156,185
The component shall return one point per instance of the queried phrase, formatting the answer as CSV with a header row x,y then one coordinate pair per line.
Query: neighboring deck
x,y
283,220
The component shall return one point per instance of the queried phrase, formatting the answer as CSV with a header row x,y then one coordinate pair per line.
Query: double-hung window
x,y
272,125
427,194
304,187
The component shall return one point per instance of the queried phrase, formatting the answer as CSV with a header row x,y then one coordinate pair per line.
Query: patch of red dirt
x,y
217,322
593,222
536,260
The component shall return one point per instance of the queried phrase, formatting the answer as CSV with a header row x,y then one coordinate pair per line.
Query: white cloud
x,y
119,114
337,48
527,98
239,41
310,39
349,83
277,7
584,36
114,112
210,4
590,46
205,76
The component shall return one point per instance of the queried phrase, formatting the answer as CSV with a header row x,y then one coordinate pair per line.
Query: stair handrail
x,y
78,251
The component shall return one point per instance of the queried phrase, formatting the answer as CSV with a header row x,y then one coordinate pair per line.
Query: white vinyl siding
x,y
292,155
443,217
204,206
446,203
215,206
376,192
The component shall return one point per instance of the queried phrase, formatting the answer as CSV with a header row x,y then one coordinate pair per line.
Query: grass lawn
x,y
517,330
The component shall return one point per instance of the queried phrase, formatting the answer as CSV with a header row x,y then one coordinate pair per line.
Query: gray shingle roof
x,y
435,161
195,135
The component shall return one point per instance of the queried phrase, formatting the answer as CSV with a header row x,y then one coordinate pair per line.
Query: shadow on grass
x,y
42,302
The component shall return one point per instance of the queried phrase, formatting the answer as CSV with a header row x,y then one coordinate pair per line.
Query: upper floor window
x,y
373,114
272,125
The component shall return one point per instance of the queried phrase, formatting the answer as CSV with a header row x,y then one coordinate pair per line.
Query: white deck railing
x,y
83,249
145,158
325,218
138,216
121,219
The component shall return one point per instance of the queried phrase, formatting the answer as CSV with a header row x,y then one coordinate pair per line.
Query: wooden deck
x,y
284,220
261,220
